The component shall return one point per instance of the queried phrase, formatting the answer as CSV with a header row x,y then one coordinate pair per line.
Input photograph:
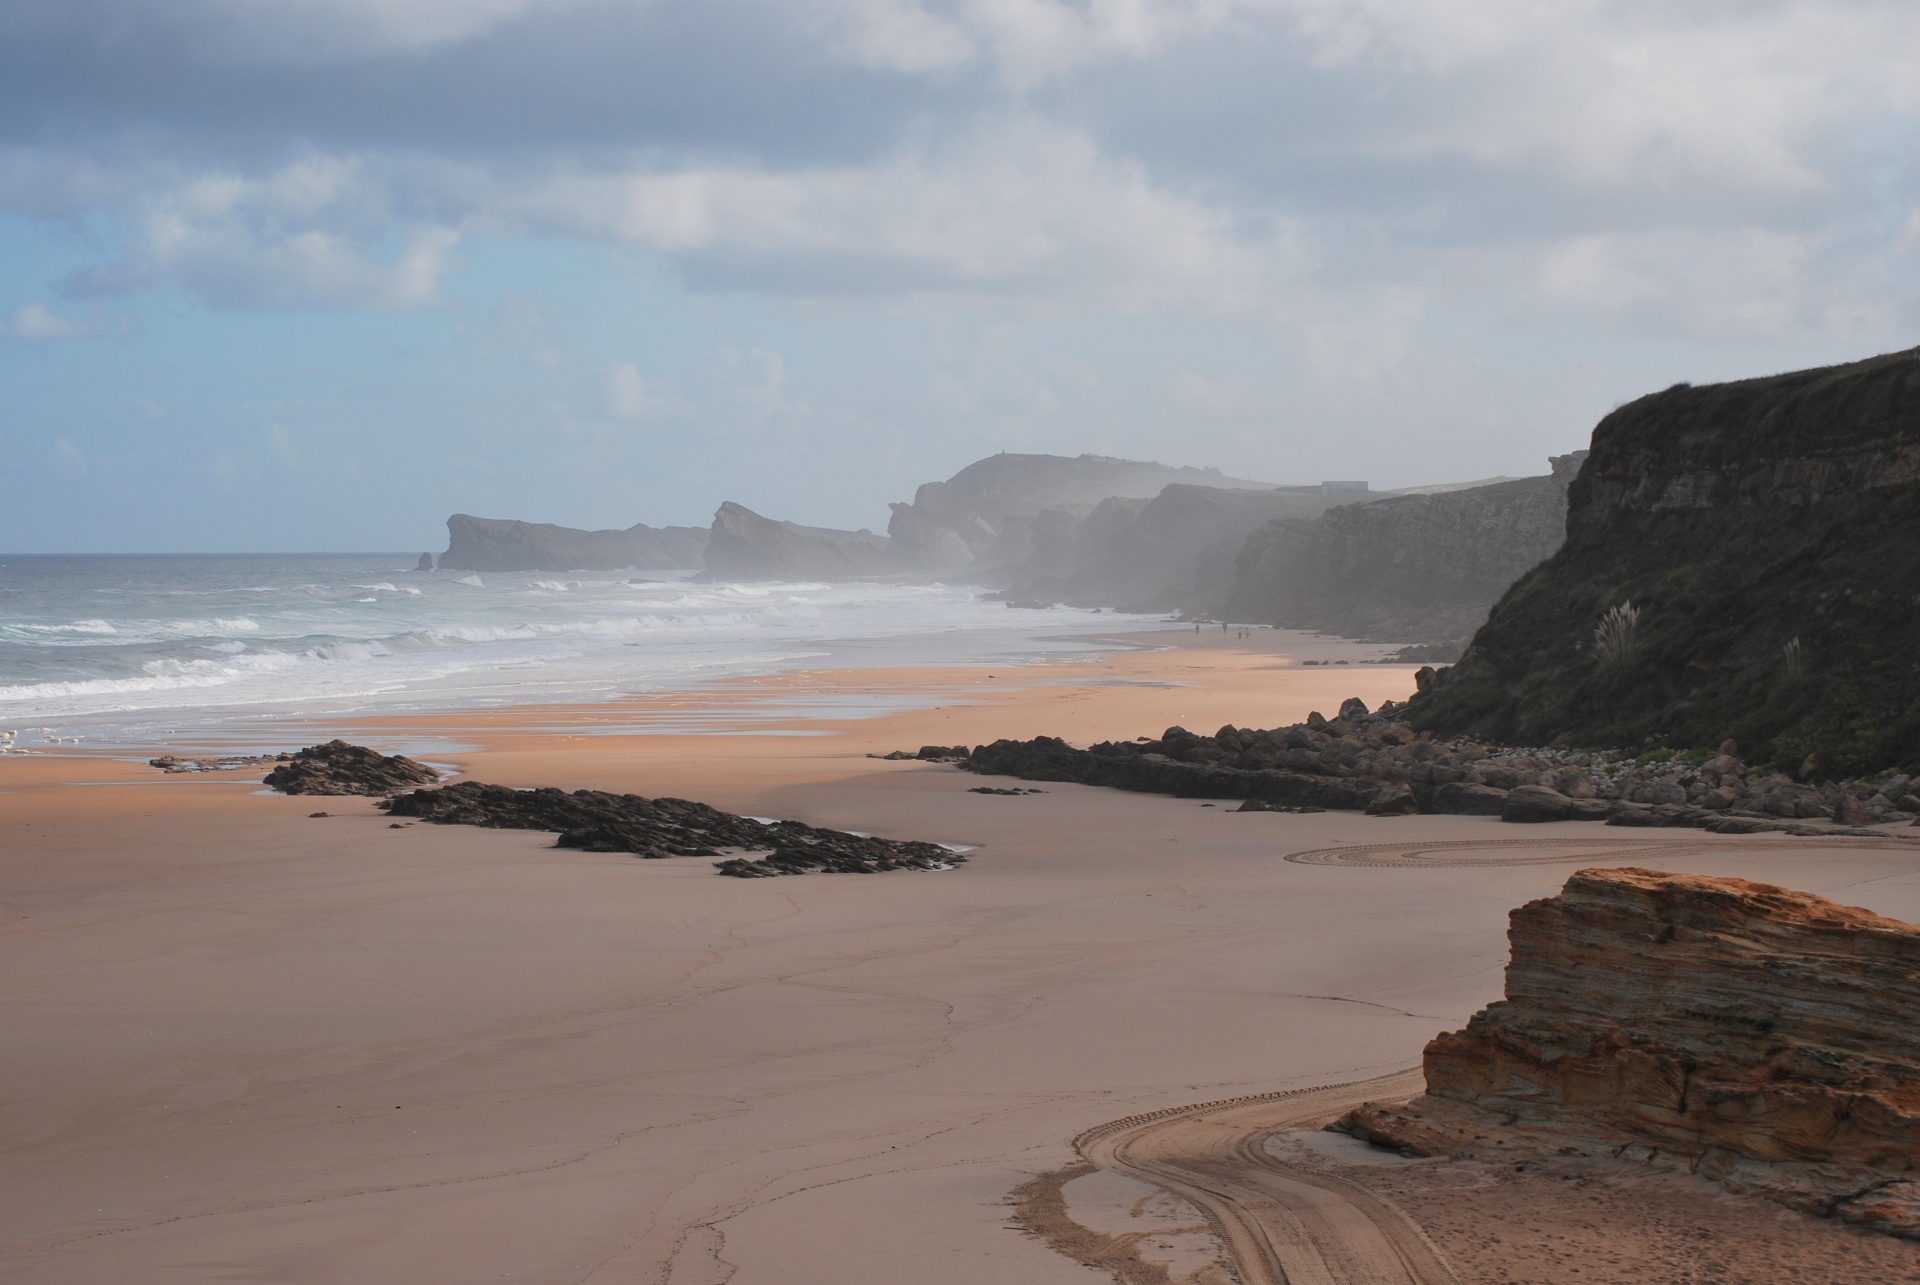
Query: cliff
x,y
1173,551
498,544
1415,568
1741,561
979,522
1761,1037
745,546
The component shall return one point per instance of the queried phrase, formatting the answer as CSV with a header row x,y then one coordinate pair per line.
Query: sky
x,y
313,274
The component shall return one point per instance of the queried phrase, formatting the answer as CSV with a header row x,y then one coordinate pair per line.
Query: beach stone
x,y
1393,799
1530,804
1467,798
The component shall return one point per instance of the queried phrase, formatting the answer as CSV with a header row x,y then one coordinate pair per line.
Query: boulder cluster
x,y
596,821
1373,761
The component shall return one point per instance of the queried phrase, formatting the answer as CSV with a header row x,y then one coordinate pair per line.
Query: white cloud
x,y
317,233
1016,210
628,396
33,321
307,31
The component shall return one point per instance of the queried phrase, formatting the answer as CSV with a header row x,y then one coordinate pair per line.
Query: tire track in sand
x,y
1285,1224
1282,1224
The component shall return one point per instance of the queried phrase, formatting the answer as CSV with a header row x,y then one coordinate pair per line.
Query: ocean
x,y
163,650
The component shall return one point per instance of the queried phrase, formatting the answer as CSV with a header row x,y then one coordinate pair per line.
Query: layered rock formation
x,y
500,544
1416,568
745,546
1741,560
1765,1038
980,522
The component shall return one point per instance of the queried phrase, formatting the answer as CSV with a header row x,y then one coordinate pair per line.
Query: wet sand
x,y
249,1045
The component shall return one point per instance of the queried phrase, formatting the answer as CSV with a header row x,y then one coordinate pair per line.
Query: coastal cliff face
x,y
1171,552
1742,561
745,546
981,521
1761,1037
498,544
1412,568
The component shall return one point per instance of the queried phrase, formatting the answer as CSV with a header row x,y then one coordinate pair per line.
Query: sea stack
x,y
1764,1038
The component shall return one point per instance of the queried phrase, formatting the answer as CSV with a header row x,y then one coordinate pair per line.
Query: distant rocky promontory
x,y
1132,535
745,546
501,544
980,523
1741,561
1754,1035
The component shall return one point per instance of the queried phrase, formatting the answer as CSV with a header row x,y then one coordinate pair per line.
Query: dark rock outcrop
x,y
1417,568
500,544
1765,1038
1741,560
596,821
745,546
1377,763
340,768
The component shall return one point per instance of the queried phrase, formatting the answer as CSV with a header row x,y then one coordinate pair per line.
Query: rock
x,y
1392,800
1589,810
1764,1038
1535,803
1424,566
742,545
942,753
1011,519
499,544
1254,805
425,563
1734,519
340,768
1353,708
595,821
1469,799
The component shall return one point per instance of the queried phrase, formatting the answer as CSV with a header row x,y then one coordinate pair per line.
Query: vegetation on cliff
x,y
1742,561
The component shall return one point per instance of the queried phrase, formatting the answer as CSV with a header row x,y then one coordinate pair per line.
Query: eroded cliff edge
x,y
1761,1037
1741,560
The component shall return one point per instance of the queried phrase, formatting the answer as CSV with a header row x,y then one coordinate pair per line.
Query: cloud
x,y
34,322
319,232
628,396
1272,160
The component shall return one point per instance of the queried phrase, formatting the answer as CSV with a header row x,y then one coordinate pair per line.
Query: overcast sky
x,y
312,274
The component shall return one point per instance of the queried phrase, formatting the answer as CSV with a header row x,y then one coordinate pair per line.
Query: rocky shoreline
x,y
1374,762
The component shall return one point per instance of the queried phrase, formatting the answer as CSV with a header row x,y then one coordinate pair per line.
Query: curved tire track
x,y
1285,1224
1282,1224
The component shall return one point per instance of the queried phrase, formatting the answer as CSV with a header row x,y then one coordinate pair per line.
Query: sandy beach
x,y
249,1044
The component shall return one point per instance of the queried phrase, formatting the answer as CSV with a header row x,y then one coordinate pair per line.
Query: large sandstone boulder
x,y
1766,1038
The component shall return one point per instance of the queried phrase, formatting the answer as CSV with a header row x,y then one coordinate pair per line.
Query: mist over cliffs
x,y
1422,568
1741,560
1092,531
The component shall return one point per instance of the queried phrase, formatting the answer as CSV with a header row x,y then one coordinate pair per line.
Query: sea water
x,y
144,650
